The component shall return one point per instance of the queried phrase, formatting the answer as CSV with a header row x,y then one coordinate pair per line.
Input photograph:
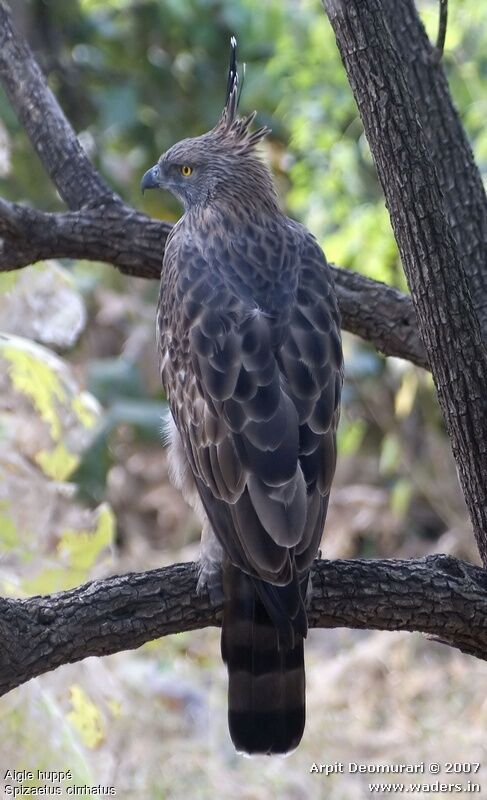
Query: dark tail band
x,y
266,682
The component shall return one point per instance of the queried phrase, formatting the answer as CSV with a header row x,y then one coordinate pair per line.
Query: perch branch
x,y
115,233
438,595
379,314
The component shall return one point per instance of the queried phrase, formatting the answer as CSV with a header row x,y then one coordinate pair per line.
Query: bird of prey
x,y
251,363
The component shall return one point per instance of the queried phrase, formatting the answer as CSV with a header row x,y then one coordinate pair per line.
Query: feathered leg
x,y
210,560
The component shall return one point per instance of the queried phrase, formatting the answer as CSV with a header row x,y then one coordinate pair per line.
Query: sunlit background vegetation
x,y
84,489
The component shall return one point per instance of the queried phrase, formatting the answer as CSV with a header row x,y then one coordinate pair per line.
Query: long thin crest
x,y
233,93
232,81
229,124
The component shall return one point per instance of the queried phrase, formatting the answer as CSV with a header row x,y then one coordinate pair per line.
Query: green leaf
x,y
82,548
91,474
111,378
78,551
33,375
350,437
390,455
85,717
401,497
9,536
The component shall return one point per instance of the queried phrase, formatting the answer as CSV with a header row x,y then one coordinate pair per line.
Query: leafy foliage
x,y
46,422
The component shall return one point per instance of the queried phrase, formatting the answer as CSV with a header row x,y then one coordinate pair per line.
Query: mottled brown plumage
x,y
251,363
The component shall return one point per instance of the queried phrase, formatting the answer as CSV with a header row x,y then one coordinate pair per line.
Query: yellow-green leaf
x,y
83,547
407,392
78,549
8,281
57,464
350,437
53,579
38,380
9,536
390,454
401,497
83,407
85,717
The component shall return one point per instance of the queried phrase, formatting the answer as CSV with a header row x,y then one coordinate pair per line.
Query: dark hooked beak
x,y
151,179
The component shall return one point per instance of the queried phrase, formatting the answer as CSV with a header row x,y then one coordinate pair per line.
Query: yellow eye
x,y
186,171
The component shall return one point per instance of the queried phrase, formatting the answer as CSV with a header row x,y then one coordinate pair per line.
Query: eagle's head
x,y
221,165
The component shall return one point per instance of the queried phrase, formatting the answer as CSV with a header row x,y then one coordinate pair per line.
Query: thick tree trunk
x,y
447,321
464,198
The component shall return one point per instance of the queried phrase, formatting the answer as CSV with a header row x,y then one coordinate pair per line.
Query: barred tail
x,y
266,681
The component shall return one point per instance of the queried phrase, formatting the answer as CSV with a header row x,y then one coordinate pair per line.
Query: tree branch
x,y
447,321
379,314
134,243
115,233
53,138
438,595
442,25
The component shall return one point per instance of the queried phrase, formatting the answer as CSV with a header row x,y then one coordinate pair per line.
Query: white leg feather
x,y
211,552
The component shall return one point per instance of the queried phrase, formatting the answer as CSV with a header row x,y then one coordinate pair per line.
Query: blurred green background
x,y
84,487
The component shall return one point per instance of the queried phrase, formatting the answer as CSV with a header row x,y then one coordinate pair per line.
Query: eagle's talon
x,y
210,581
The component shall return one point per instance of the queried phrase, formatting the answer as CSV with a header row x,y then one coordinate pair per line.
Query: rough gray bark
x,y
111,232
439,595
447,321
380,314
464,198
